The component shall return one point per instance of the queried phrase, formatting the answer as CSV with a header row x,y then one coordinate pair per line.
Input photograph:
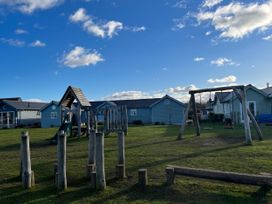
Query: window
x,y
166,101
54,115
133,112
251,105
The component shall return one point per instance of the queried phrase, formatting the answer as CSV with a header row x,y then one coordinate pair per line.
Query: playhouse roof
x,y
71,94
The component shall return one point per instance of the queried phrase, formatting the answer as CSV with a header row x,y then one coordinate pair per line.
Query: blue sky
x,y
132,48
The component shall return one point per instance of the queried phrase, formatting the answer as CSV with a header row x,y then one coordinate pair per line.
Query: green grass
x,y
151,147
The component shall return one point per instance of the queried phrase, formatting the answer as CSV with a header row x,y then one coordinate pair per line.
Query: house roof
x,y
137,103
134,103
268,91
11,99
167,97
25,105
71,94
223,98
49,104
109,103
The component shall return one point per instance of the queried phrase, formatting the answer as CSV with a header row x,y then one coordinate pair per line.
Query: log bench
x,y
241,178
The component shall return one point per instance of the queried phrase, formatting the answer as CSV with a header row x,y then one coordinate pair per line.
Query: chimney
x,y
267,84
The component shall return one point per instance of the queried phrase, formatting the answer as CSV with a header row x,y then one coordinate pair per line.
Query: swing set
x,y
240,92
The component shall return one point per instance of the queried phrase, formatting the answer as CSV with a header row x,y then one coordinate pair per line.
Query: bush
x,y
216,117
138,122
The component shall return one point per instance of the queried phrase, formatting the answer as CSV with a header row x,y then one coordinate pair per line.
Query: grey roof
x,y
11,99
25,105
71,94
135,103
56,103
268,91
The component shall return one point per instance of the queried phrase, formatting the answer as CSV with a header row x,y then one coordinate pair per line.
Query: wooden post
x,y
91,153
100,166
27,176
91,146
195,115
93,179
170,175
142,177
79,120
126,120
252,118
185,117
56,173
121,168
246,119
235,177
255,125
62,179
108,120
121,147
88,122
105,122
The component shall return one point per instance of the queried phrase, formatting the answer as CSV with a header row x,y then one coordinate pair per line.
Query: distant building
x,y
258,101
51,115
14,112
165,110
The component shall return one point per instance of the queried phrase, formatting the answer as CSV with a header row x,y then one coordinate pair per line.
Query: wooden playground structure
x,y
115,118
240,92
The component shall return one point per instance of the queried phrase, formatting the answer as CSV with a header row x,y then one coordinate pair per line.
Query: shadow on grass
x,y
183,156
33,145
163,193
17,194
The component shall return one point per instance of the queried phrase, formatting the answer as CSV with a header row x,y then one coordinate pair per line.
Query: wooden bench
x,y
242,178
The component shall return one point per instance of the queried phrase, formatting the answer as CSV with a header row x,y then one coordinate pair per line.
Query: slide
x,y
66,127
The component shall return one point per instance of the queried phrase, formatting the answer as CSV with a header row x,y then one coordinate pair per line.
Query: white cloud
x,y
128,95
35,100
211,3
180,4
20,31
198,59
13,42
222,61
37,43
208,33
29,6
137,29
179,23
228,79
108,29
112,27
236,20
94,29
179,93
178,89
79,16
269,37
79,57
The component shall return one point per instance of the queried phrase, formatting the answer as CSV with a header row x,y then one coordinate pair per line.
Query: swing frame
x,y
240,92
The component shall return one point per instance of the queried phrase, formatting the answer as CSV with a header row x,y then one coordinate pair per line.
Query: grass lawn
x,y
151,147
